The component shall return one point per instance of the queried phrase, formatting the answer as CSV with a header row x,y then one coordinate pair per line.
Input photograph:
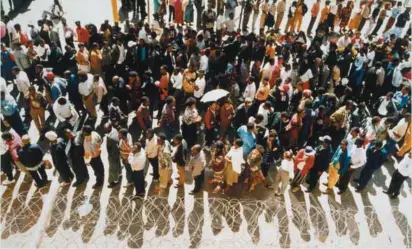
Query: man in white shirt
x,y
397,78
268,69
43,51
197,165
204,60
64,111
86,90
137,160
151,152
265,109
200,84
403,172
22,81
177,79
250,90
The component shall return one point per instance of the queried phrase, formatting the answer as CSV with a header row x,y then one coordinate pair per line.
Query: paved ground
x,y
83,217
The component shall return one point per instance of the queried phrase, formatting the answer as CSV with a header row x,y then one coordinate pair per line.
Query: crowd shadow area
x,y
78,220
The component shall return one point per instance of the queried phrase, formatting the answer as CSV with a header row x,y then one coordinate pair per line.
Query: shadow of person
x,y
113,211
57,212
338,215
379,178
251,211
195,222
135,229
163,222
74,218
232,215
6,200
283,222
374,224
300,214
125,214
351,209
178,214
92,217
318,216
216,210
12,223
402,222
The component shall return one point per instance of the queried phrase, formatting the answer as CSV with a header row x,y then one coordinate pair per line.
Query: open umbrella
x,y
214,95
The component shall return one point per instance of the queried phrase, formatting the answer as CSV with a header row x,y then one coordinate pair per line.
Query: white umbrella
x,y
214,95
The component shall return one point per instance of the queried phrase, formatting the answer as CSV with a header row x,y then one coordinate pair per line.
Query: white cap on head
x,y
51,136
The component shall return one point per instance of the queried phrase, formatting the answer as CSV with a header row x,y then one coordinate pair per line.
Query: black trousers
x,y
98,168
155,164
361,24
345,179
312,22
6,165
80,171
64,172
331,21
39,176
209,136
189,134
396,183
377,27
171,13
265,168
199,181
138,180
314,175
16,123
129,172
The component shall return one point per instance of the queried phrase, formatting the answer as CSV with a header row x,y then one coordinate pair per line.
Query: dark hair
x,y
62,101
87,129
250,125
179,137
239,142
162,136
123,131
6,136
359,142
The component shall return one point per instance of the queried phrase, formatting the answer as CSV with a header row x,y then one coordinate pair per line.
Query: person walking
x,y
197,165
179,157
113,154
375,157
59,157
31,157
75,155
285,174
151,149
403,172
137,160
92,150
339,165
323,155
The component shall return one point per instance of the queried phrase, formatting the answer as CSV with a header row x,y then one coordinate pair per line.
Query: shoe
x,y
7,182
268,186
128,184
309,190
64,184
341,192
78,183
192,193
40,186
179,186
177,178
385,192
113,184
357,190
137,196
97,185
325,184
156,180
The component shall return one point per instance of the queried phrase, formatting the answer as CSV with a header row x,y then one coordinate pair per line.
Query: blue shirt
x,y
8,106
400,100
248,138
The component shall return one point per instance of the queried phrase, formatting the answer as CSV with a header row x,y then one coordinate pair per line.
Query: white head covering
x,y
51,136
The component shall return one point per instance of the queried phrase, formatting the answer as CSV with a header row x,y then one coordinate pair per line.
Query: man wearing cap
x,y
91,143
86,90
31,156
323,154
59,157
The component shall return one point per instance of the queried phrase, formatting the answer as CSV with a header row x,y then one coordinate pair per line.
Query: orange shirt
x,y
315,9
82,35
96,59
270,51
324,14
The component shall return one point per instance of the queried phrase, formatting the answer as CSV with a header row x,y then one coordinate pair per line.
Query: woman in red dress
x,y
178,12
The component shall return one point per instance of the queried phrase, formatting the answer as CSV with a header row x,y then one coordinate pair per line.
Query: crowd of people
x,y
335,102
